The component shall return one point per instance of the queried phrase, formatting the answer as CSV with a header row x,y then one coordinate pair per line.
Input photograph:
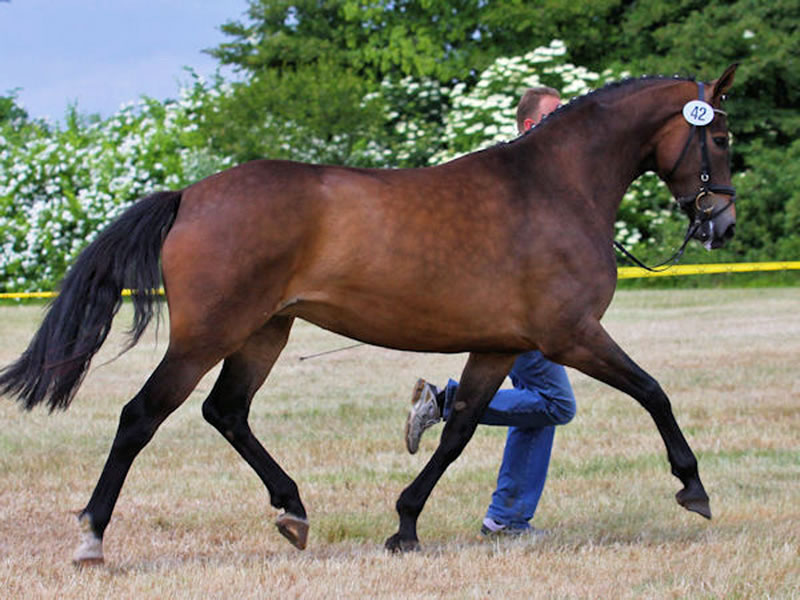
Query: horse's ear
x,y
724,83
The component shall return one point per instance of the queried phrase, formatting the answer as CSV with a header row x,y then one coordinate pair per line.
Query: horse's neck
x,y
638,117
610,137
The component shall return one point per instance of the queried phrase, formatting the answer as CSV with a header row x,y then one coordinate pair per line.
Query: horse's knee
x,y
654,400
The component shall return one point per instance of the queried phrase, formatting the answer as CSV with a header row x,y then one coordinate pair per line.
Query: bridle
x,y
702,212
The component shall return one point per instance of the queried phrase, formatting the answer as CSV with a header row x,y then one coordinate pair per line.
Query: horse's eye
x,y
721,141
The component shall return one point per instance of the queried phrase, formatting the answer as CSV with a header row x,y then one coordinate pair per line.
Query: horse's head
x,y
692,158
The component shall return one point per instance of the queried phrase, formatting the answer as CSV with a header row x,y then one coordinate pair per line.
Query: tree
x,y
317,113
10,111
769,213
445,39
694,37
309,66
453,41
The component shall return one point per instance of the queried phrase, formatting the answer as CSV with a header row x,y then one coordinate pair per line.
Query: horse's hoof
x,y
396,544
697,503
90,550
294,529
88,562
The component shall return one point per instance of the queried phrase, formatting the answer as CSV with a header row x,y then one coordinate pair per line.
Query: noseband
x,y
703,213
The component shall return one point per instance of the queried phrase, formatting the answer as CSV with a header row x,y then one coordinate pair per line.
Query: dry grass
x,y
194,522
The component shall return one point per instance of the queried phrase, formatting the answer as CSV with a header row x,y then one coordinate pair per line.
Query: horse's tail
x,y
124,255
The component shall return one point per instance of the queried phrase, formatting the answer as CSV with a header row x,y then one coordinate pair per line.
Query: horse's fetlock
x,y
406,508
288,499
687,471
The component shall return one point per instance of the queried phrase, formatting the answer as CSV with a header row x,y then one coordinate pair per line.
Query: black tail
x,y
124,255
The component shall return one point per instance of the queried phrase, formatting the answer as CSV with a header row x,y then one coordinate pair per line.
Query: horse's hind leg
x,y
165,390
227,408
481,378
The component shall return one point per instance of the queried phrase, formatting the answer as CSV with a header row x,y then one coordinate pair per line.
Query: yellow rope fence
x,y
622,273
634,272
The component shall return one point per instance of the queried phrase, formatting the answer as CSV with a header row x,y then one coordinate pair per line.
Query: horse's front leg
x,y
481,378
597,355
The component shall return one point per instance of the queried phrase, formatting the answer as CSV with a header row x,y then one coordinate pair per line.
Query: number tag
x,y
697,112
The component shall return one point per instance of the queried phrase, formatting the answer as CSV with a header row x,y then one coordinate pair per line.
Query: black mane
x,y
613,87
608,89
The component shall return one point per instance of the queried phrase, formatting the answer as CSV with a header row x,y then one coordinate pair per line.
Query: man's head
x,y
535,104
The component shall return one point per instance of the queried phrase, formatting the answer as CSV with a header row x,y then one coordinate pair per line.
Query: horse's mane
x,y
609,89
612,88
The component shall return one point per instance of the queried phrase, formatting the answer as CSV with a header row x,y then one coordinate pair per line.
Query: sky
x,y
102,54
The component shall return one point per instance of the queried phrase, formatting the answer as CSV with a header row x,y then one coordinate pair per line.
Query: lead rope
x,y
667,264
307,356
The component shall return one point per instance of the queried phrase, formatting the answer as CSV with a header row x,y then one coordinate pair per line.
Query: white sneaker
x,y
491,528
424,413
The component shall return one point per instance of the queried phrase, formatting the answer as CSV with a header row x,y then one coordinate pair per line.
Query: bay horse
x,y
498,252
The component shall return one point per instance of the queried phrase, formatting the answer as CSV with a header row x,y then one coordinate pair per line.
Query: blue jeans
x,y
542,398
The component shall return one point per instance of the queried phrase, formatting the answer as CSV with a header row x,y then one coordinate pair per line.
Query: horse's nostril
x,y
727,234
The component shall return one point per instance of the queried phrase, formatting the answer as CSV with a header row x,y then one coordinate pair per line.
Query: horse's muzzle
x,y
717,230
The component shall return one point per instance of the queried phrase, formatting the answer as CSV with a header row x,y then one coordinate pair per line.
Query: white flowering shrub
x,y
646,208
60,185
413,122
485,113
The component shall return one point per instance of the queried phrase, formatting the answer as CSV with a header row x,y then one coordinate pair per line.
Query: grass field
x,y
194,522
